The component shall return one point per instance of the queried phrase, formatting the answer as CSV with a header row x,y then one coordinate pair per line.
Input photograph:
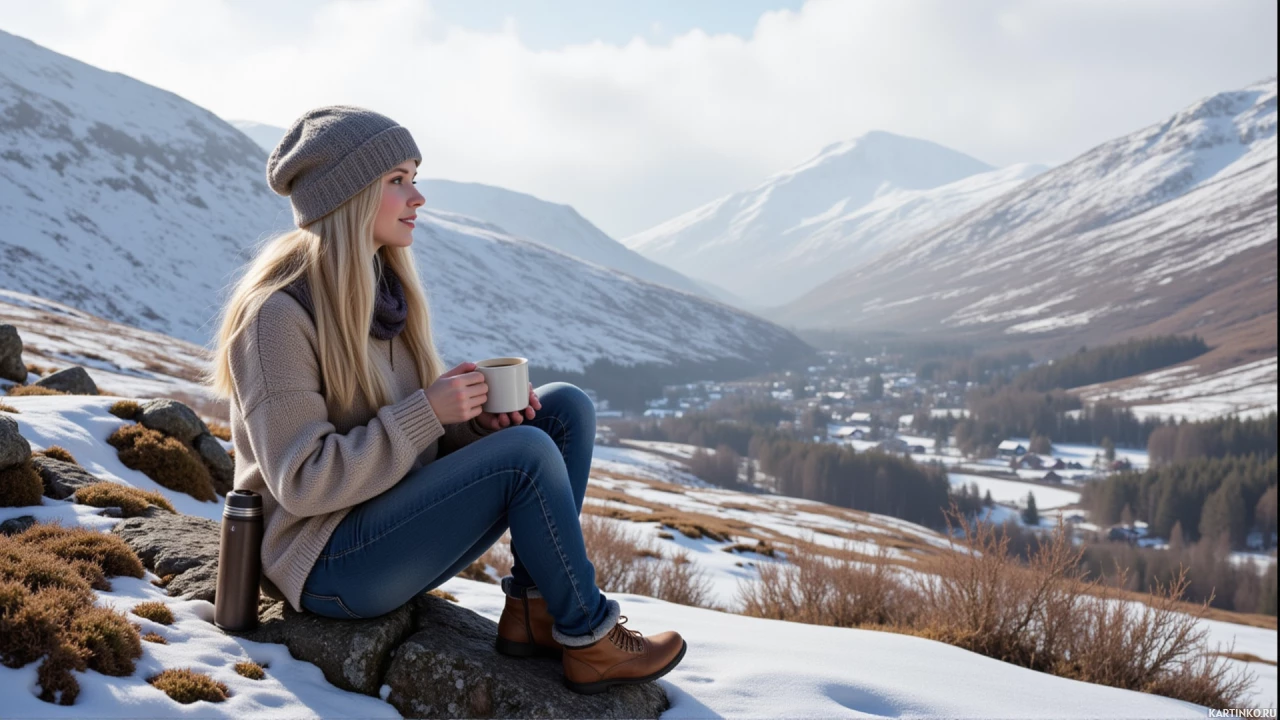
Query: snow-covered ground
x,y
1014,492
1181,391
736,666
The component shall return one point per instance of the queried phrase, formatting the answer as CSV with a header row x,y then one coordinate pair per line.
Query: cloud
x,y
634,134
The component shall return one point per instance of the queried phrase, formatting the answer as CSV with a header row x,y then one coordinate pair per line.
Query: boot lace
x,y
626,638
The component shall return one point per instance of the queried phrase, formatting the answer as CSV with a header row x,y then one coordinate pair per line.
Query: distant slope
x,y
132,204
833,212
1169,229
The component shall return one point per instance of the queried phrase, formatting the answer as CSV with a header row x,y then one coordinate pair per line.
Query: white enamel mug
x,y
508,381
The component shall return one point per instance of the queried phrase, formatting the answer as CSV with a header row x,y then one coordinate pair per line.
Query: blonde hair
x,y
330,253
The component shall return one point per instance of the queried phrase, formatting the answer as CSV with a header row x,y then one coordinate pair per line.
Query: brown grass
x,y
5,407
156,638
250,669
131,501
443,594
220,431
167,460
125,409
155,611
820,590
186,686
20,486
762,547
47,610
27,390
57,452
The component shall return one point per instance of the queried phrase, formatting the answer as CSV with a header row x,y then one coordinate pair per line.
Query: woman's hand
x,y
497,421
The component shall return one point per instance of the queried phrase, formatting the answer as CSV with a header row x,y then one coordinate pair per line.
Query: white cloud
x,y
633,134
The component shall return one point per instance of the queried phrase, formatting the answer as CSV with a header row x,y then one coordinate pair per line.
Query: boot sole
x,y
520,649
593,688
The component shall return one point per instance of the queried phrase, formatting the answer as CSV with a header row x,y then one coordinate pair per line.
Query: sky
x,y
635,112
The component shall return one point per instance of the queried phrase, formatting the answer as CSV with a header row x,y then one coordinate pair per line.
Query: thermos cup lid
x,y
243,503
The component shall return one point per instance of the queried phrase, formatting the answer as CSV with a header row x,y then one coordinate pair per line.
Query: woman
x,y
381,475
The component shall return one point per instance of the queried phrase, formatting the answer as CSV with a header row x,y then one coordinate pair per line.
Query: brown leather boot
x,y
524,629
623,657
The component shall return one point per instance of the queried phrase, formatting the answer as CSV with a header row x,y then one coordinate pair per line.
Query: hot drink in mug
x,y
508,381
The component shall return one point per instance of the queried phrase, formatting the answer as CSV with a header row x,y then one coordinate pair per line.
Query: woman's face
x,y
400,202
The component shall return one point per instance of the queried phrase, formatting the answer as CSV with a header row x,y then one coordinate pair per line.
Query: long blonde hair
x,y
330,253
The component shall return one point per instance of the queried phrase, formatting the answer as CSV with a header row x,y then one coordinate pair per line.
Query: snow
x,y
1014,492
1183,391
735,666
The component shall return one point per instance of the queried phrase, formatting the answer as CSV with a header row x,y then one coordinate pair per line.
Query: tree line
x,y
1112,362
1213,438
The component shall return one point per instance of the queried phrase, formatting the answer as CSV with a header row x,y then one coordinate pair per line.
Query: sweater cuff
x,y
416,418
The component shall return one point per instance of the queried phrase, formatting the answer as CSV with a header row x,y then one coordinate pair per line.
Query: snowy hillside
x,y
554,225
131,204
736,665
1169,229
832,213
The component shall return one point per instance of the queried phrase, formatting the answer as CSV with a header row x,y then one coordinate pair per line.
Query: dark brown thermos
x,y
235,606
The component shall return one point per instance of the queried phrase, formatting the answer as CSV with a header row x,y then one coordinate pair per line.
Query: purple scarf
x,y
389,308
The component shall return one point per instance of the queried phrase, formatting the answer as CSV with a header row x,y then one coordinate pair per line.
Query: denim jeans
x,y
441,517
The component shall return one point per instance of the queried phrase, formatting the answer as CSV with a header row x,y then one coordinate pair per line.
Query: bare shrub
x,y
26,390
125,409
821,590
156,638
250,669
155,611
5,407
624,565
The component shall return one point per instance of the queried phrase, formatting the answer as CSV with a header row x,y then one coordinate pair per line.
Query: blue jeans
x,y
441,517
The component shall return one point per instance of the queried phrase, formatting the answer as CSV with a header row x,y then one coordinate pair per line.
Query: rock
x,y
449,668
13,526
14,449
60,477
353,654
221,467
112,512
172,418
74,380
437,657
173,544
11,365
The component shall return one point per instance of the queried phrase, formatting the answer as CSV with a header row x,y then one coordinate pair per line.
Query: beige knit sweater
x,y
310,462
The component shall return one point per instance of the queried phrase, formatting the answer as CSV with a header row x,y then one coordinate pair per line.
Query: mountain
x,y
552,224
132,204
1169,229
833,212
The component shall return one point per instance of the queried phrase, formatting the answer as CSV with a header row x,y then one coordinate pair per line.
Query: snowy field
x,y
735,667
1180,392
1015,493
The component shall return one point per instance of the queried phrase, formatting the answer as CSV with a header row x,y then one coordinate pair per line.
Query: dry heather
x,y
156,638
20,486
155,611
220,431
125,409
167,460
131,501
57,452
47,574
443,595
186,686
250,669
5,407
27,390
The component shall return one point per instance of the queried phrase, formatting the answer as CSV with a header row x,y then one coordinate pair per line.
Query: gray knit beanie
x,y
331,153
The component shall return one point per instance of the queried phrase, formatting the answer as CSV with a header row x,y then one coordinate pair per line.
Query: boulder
x,y
60,477
437,657
184,546
449,668
221,467
11,365
74,380
14,449
172,418
13,526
